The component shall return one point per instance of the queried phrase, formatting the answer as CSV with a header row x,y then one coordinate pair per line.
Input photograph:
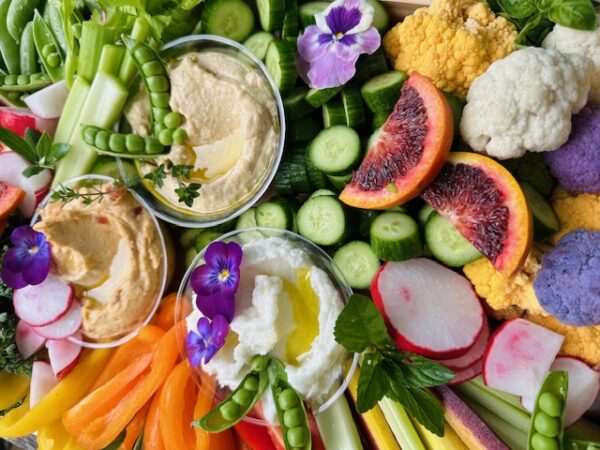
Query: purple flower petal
x,y
369,41
204,280
204,328
331,71
344,19
195,347
310,45
234,254
215,252
220,329
341,19
18,258
13,279
213,305
24,235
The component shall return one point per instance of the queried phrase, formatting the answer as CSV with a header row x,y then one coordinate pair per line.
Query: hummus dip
x,y
111,252
231,121
286,307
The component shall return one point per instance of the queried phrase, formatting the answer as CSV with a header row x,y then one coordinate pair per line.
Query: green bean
x,y
241,400
8,46
116,143
101,140
172,120
19,13
29,63
179,136
134,143
547,420
44,40
152,146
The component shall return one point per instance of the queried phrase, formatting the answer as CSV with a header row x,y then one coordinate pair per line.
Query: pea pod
x,y
52,18
8,46
13,99
29,63
240,402
290,409
48,50
25,82
546,428
19,13
133,146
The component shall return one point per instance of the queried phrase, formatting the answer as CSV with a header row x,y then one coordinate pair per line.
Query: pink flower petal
x,y
331,71
309,46
369,41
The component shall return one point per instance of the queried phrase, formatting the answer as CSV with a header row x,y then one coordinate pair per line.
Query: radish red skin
x,y
42,382
28,341
52,293
63,355
462,376
473,356
66,326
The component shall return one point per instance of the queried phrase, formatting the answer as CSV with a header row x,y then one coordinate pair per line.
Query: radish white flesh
x,y
518,357
63,355
527,403
65,326
473,356
43,303
12,166
430,309
462,376
18,120
42,382
584,384
28,341
49,102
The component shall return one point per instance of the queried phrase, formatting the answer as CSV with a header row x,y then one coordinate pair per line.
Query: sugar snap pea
x,y
24,82
8,46
52,18
13,98
29,63
48,49
123,145
290,409
547,419
19,13
240,402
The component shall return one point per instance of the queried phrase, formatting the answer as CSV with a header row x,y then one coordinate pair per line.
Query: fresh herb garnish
x,y
157,176
186,192
67,194
386,372
38,149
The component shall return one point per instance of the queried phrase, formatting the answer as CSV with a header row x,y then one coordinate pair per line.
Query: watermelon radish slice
x,y
429,309
66,326
36,187
473,356
63,355
518,357
462,376
43,303
42,382
28,341
18,120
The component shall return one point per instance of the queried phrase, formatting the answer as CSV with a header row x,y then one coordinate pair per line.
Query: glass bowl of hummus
x,y
234,124
288,299
106,243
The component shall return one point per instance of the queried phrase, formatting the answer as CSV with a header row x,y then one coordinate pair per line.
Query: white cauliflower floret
x,y
585,43
525,102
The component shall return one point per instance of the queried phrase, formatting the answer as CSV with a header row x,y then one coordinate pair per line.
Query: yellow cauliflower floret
x,y
515,297
452,42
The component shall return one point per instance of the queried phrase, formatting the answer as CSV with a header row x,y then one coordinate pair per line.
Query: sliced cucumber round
x,y
335,150
424,213
381,18
281,63
354,109
320,192
339,182
334,113
308,10
383,91
323,220
395,237
270,14
206,237
318,97
545,221
295,104
276,213
258,43
446,244
232,19
358,263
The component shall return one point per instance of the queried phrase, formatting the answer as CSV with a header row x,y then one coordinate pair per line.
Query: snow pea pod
x,y
547,420
8,46
130,145
24,82
47,48
18,14
52,18
29,63
290,409
240,402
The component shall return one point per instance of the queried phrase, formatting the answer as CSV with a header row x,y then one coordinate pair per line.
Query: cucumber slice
x,y
446,244
358,264
424,213
318,97
545,222
395,237
334,113
317,179
353,106
276,213
246,220
381,18
379,119
456,106
281,63
320,192
298,174
270,14
383,91
190,255
303,129
232,19
339,182
365,219
283,181
206,237
369,66
308,10
295,104
335,150
372,138
107,165
187,238
258,43
289,30
323,220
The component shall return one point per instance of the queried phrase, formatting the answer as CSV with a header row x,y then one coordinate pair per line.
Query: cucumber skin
x,y
346,218
339,258
398,250
453,260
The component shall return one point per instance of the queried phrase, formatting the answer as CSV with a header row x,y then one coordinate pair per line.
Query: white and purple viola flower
x,y
328,51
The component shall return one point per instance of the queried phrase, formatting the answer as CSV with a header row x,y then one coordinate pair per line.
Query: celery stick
x,y
93,38
128,70
69,119
508,398
337,426
102,108
111,58
400,424
498,406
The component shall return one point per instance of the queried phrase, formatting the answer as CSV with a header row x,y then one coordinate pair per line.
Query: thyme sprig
x,y
186,192
67,194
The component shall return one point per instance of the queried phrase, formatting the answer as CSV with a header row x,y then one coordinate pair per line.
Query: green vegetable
x,y
18,15
336,426
47,48
10,358
8,46
25,82
28,53
547,419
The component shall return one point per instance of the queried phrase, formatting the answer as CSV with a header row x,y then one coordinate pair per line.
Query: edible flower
x,y
202,346
328,51
28,262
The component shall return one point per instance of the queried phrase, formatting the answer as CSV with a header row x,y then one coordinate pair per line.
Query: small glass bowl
x,y
163,274
320,259
200,43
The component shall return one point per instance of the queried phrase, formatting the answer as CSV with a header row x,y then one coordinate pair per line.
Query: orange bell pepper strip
x,y
104,428
135,428
152,436
165,315
204,401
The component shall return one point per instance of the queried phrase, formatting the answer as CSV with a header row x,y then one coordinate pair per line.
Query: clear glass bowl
x,y
200,43
87,179
319,258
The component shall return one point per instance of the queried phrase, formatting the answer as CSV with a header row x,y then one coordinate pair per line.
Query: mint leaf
x,y
31,137
415,370
43,145
18,145
56,153
421,405
32,170
359,325
373,383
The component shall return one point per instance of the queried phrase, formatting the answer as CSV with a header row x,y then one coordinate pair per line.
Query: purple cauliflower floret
x,y
576,165
568,284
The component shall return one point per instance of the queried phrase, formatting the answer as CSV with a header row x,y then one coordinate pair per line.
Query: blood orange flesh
x,y
485,203
408,153
10,197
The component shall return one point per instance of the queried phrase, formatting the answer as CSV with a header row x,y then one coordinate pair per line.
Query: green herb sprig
x,y
186,192
67,194
386,372
38,149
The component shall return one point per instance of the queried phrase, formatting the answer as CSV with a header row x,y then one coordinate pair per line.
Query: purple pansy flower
x,y
202,346
28,262
327,51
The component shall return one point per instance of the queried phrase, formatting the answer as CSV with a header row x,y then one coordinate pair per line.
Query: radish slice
x,y
462,376
518,357
473,356
43,303
49,102
18,120
430,309
65,326
42,382
12,166
63,355
28,341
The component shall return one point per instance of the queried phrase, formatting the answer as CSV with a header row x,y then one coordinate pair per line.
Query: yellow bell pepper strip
x,y
152,436
68,392
53,436
13,388
103,428
135,428
13,416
